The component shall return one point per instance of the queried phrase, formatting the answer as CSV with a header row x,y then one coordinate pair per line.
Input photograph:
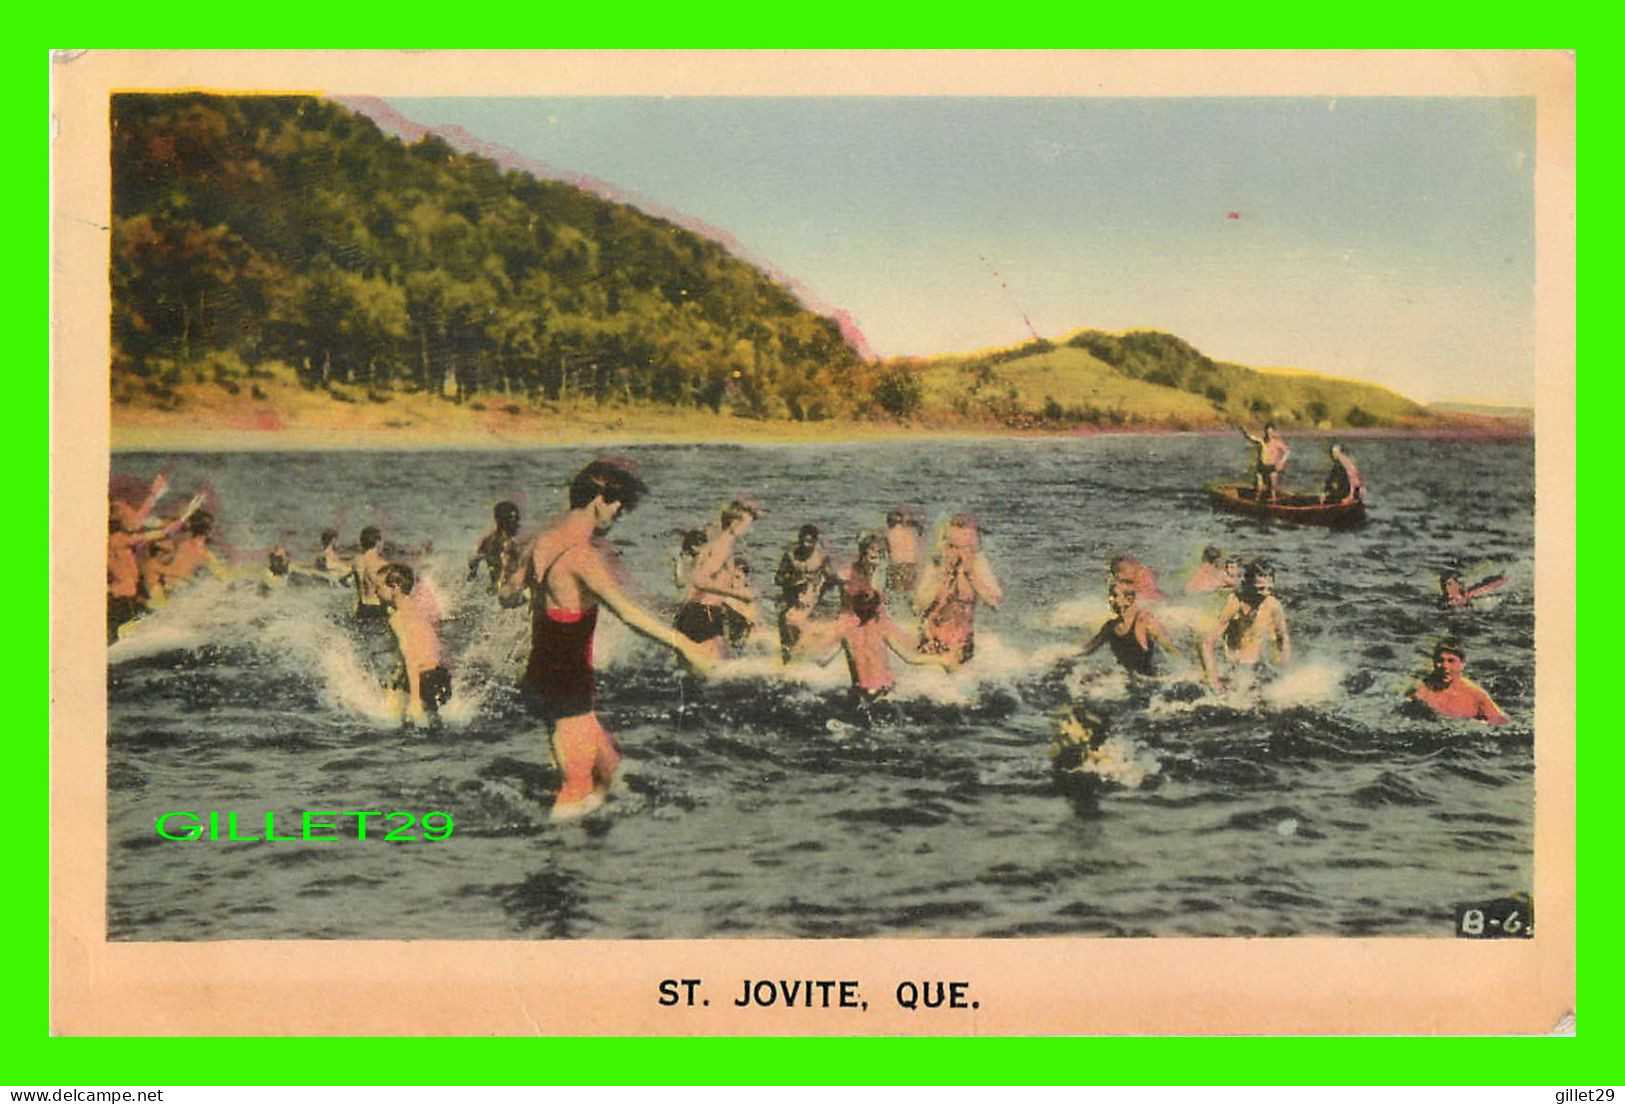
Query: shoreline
x,y
224,439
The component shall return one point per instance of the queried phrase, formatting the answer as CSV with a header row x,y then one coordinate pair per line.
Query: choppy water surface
x,y
759,804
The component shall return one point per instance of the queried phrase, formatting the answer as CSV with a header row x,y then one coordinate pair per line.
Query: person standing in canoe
x,y
1343,483
957,578
1269,461
571,570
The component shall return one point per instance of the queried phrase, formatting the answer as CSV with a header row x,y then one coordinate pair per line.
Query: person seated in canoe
x,y
1133,633
1448,692
1251,623
1455,595
1269,461
1343,483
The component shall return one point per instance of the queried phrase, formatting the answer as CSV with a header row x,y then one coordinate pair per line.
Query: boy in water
x,y
367,571
903,533
1133,633
1450,693
421,672
714,580
1457,596
1252,618
571,570
498,549
191,555
804,563
1213,573
127,532
865,569
328,561
866,633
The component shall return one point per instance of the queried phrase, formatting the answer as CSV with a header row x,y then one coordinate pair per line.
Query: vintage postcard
x,y
813,543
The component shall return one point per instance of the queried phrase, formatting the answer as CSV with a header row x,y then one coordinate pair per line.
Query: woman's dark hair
x,y
370,536
329,536
608,480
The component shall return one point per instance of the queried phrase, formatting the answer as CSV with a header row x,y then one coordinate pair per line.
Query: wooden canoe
x,y
1294,509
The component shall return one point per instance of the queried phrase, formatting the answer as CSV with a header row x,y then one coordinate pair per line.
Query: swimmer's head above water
x,y
613,481
506,515
370,536
398,576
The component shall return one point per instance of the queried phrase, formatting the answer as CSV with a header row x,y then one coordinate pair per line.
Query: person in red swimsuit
x,y
570,571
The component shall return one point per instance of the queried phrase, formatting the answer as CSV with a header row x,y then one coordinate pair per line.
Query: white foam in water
x,y
1305,683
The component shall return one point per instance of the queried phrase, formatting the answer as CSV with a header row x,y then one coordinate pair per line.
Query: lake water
x,y
759,804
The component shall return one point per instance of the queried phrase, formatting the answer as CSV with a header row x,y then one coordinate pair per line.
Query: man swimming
x,y
1213,573
569,572
1450,693
1456,595
1252,618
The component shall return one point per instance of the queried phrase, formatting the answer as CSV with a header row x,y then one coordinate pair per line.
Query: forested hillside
x,y
261,232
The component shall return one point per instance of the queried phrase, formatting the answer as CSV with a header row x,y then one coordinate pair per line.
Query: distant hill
x,y
279,261
1141,378
1486,410
393,122
256,231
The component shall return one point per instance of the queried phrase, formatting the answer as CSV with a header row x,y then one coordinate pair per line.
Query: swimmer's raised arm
x,y
985,582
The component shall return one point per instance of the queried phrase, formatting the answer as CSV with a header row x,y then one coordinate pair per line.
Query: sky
x,y
1385,239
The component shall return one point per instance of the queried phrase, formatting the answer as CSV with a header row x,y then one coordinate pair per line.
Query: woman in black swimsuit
x,y
1133,633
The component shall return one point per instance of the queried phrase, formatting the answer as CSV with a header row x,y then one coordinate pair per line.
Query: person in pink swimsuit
x,y
571,571
958,577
